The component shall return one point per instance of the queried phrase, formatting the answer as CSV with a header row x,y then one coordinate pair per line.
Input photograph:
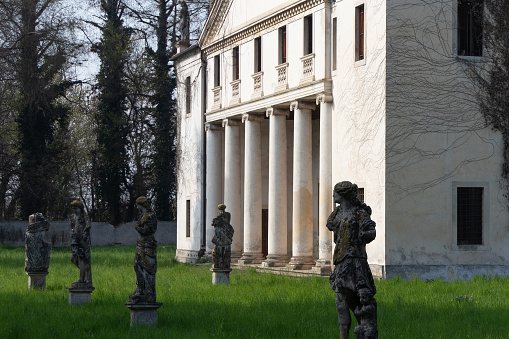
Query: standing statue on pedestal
x,y
37,250
184,22
145,259
352,279
80,245
222,239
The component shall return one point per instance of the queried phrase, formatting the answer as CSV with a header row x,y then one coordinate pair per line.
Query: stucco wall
x,y
101,234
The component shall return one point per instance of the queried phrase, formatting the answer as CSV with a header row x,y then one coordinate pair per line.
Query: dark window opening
x,y
334,43
360,194
217,71
359,33
188,95
282,45
470,215
308,34
188,218
236,63
258,54
470,27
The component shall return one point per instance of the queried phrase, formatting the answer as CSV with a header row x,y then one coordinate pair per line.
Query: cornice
x,y
209,46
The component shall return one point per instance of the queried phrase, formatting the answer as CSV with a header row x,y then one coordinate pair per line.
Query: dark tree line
x,y
105,141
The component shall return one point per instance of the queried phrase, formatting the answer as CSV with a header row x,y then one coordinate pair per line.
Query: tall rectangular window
x,y
217,71
334,43
470,27
282,45
188,218
470,215
360,194
359,33
188,95
236,63
258,54
308,34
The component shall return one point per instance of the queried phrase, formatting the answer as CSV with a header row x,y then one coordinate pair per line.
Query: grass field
x,y
255,305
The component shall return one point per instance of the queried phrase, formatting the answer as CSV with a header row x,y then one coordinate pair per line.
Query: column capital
x,y
230,122
212,127
252,117
323,98
295,105
277,111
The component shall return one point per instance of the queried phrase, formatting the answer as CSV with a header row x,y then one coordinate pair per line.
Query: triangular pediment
x,y
228,17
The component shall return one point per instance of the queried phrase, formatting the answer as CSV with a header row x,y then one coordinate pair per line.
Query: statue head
x,y
143,201
77,204
346,189
35,218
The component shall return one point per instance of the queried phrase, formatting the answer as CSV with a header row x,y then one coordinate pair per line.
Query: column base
x,y
78,296
275,260
36,280
143,313
323,267
236,255
249,258
220,276
301,263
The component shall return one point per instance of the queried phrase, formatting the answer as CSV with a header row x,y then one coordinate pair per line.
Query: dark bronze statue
x,y
145,259
37,250
184,22
352,279
80,245
222,239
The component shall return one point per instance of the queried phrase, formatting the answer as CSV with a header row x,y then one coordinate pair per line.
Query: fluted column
x,y
278,224
232,183
252,191
214,179
302,232
323,264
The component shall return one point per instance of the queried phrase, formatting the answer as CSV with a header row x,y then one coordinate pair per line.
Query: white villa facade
x,y
280,100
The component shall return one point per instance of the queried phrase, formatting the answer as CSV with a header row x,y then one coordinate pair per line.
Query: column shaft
x,y
214,180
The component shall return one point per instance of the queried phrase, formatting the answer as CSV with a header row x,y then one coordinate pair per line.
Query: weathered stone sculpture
x,y
80,290
184,23
142,302
37,251
352,279
222,239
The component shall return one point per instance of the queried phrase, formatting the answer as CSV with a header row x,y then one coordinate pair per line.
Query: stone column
x,y
302,232
323,264
278,224
214,179
232,183
252,191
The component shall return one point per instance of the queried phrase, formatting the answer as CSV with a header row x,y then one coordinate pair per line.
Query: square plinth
x,y
220,276
143,314
37,280
80,296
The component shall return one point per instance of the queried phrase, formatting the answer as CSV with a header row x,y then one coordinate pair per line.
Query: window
x,y
236,63
188,218
334,42
308,34
282,45
258,54
360,194
470,27
359,33
217,71
188,95
470,215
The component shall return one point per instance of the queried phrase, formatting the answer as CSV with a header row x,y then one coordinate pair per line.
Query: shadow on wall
x,y
102,234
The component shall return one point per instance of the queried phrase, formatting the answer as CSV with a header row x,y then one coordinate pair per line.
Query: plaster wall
x,y
436,141
358,117
191,173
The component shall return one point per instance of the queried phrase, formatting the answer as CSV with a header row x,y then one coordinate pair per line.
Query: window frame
x,y
360,33
283,45
257,54
465,30
236,63
187,85
217,70
308,35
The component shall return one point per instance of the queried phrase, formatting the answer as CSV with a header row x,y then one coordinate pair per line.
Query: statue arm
x,y
330,220
367,232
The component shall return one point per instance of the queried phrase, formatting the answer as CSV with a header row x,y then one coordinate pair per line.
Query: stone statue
x,y
37,250
145,259
352,279
222,239
184,22
80,245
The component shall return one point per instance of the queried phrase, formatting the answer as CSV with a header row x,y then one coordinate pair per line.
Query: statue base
x,y
78,295
220,276
143,313
323,267
36,280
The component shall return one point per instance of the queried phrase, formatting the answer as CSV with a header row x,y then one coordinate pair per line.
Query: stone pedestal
x,y
322,267
36,280
78,296
221,276
143,313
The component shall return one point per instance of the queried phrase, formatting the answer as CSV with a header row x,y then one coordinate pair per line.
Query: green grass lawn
x,y
255,305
